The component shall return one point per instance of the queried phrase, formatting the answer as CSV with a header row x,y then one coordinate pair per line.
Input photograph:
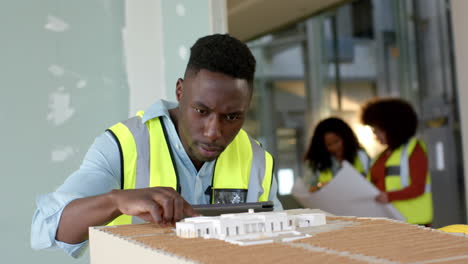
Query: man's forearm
x,y
82,213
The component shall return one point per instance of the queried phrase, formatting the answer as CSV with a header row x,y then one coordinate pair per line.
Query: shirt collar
x,y
159,108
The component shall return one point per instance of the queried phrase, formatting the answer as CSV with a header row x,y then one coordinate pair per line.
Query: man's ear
x,y
179,89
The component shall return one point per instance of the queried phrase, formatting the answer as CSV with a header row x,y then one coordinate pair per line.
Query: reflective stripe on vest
x,y
416,210
143,144
361,164
141,137
139,150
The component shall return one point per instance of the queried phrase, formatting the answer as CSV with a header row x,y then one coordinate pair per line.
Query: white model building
x,y
249,228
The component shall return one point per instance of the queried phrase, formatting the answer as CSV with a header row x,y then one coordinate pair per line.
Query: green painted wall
x,y
62,85
63,82
183,23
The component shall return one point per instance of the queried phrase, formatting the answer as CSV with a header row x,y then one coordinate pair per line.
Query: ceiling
x,y
248,19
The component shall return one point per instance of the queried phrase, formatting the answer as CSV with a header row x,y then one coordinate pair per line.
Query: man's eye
x,y
232,117
200,111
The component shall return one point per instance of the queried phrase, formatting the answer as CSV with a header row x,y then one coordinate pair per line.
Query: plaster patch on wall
x,y
62,153
183,52
56,24
59,71
59,107
180,9
75,74
56,70
81,84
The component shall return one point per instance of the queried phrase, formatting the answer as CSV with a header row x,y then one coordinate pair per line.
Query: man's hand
x,y
382,198
162,205
317,187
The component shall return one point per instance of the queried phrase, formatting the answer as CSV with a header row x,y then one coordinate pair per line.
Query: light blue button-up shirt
x,y
100,173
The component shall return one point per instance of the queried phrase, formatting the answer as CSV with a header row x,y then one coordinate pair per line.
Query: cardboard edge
x,y
125,250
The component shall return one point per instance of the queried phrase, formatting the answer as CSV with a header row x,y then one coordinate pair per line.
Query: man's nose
x,y
213,128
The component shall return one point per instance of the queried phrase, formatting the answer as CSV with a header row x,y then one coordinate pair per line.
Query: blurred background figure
x,y
333,142
400,172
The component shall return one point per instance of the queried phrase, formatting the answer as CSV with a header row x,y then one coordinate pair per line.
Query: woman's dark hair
x,y
394,116
318,156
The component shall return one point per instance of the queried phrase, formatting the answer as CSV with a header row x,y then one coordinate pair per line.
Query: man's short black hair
x,y
224,54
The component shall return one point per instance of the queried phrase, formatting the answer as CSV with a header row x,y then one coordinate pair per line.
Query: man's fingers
x,y
167,191
178,209
159,204
188,210
167,205
172,203
155,211
165,197
146,217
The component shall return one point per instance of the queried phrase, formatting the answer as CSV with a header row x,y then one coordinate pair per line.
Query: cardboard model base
x,y
340,240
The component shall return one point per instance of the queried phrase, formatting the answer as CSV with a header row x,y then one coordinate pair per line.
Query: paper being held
x,y
348,194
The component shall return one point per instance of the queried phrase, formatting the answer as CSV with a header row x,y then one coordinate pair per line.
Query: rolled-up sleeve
x,y
99,173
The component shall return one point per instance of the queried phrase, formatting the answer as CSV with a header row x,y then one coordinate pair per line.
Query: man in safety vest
x,y
154,165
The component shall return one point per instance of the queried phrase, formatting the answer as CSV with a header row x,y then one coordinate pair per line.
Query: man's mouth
x,y
209,151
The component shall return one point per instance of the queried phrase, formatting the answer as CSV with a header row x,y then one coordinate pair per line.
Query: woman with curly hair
x,y
401,171
332,143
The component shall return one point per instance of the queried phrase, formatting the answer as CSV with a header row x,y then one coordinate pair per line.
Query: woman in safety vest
x,y
401,171
332,143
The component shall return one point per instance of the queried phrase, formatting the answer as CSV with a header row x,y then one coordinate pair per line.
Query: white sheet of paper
x,y
348,194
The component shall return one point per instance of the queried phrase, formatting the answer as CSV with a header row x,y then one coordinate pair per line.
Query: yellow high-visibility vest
x,y
243,172
417,210
361,164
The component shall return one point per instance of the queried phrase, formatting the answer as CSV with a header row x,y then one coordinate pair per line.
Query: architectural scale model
x,y
249,228
343,239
